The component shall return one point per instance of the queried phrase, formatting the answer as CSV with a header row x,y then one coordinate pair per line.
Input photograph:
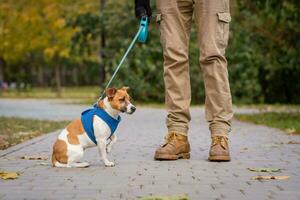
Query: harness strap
x,y
87,121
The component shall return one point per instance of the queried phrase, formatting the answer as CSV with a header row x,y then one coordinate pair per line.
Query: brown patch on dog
x,y
59,152
110,93
101,104
74,129
120,100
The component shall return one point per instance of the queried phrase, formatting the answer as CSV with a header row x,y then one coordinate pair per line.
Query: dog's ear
x,y
110,92
125,88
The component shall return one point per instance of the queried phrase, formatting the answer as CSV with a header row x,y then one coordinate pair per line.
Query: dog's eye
x,y
121,100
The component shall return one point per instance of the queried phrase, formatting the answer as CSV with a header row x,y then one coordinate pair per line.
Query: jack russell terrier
x,y
95,128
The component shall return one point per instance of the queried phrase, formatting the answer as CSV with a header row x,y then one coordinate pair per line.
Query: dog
x,y
95,128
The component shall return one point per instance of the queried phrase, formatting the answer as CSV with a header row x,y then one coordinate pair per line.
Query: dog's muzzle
x,y
130,109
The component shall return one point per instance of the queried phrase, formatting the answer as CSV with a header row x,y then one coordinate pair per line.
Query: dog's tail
x,y
55,163
79,165
53,160
58,164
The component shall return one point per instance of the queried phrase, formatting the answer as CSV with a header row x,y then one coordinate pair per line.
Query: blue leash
x,y
141,36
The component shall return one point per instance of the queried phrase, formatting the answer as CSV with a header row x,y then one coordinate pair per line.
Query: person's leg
x,y
174,18
174,26
212,21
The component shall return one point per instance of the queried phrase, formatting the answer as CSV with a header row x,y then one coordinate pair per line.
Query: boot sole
x,y
219,158
172,157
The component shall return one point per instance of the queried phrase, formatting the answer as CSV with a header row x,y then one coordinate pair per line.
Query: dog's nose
x,y
133,108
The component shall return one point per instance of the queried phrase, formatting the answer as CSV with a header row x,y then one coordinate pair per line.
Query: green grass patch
x,y
288,122
16,130
85,93
286,108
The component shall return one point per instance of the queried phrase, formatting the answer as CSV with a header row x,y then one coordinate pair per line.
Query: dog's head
x,y
119,99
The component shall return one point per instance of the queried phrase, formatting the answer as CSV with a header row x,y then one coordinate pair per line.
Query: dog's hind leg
x,y
76,154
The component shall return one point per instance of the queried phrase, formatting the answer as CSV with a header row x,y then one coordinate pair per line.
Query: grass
x,y
83,93
284,117
286,121
16,130
272,107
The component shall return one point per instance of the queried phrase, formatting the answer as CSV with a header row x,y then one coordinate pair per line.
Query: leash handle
x,y
144,32
141,36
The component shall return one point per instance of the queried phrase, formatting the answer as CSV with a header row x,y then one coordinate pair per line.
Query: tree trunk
x,y
63,75
2,66
75,76
57,80
40,75
102,72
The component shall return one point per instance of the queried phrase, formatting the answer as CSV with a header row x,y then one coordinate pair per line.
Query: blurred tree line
x,y
73,43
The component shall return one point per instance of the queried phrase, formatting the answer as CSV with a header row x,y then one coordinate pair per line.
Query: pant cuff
x,y
178,129
219,132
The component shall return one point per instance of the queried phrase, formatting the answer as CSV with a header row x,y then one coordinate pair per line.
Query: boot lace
x,y
170,137
221,140
173,136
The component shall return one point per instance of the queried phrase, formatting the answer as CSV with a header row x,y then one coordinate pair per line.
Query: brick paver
x,y
137,174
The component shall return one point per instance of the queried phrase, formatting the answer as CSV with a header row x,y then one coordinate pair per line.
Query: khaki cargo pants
x,y
212,19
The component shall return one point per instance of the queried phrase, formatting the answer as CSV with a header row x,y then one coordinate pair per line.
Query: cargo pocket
x,y
223,21
158,18
159,21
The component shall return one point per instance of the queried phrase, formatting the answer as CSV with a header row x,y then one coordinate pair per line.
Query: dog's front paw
x,y
109,164
108,149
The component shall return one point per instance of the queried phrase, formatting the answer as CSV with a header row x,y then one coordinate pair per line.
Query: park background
x,y
69,49
56,57
64,43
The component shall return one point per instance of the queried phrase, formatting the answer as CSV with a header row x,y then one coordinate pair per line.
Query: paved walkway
x,y
137,174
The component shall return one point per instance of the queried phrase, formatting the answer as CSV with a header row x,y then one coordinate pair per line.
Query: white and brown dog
x,y
95,128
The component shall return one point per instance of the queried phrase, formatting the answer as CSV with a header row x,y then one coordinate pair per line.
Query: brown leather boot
x,y
176,147
219,150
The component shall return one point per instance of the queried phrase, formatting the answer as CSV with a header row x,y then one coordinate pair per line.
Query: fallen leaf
x,y
24,133
243,149
171,197
271,145
3,142
293,142
34,157
264,169
270,177
9,175
44,164
290,130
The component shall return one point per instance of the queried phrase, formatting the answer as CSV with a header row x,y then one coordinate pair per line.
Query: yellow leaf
x,y
290,130
293,142
77,29
9,175
34,157
64,53
60,23
49,52
264,169
270,177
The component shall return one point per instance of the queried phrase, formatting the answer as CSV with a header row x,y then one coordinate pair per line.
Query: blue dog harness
x,y
87,121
